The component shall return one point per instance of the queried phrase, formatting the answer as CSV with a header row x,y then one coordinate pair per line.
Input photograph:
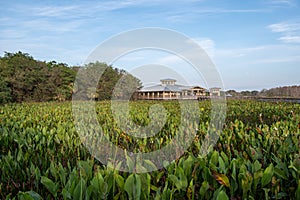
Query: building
x,y
215,91
168,89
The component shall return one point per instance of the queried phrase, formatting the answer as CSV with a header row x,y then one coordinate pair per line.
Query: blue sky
x,y
254,44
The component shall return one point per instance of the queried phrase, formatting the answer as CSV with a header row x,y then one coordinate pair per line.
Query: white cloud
x,y
207,44
290,31
12,34
51,26
258,55
191,13
285,27
290,39
52,11
282,2
169,60
284,59
239,52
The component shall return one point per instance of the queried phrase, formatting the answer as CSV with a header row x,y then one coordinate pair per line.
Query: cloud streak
x,y
290,31
285,27
290,39
282,2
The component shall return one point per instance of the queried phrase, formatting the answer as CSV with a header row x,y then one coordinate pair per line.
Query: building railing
x,y
161,97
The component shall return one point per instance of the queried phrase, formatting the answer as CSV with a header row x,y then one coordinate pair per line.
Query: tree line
x,y
24,79
285,91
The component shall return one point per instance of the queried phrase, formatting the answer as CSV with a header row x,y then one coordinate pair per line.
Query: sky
x,y
253,44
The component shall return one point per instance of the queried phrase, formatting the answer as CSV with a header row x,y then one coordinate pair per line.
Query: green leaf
x,y
222,165
150,166
20,154
187,165
79,190
222,196
50,185
298,190
29,195
179,179
280,173
62,174
133,186
204,188
256,177
146,183
99,186
166,193
85,168
66,194
225,158
34,195
120,181
129,162
182,177
214,159
256,166
267,175
175,181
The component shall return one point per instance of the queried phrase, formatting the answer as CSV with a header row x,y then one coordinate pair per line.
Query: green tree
x,y
112,81
5,92
25,79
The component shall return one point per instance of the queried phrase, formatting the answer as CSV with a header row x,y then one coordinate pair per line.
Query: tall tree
x,y
25,79
111,80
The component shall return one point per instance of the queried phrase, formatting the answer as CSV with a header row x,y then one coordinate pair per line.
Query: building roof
x,y
168,79
168,87
161,88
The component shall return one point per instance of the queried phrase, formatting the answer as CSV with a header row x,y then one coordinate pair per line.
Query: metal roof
x,y
161,88
168,79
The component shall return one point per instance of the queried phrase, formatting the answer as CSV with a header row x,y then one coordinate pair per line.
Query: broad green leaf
x,y
187,165
133,186
79,190
225,158
182,177
34,195
175,181
150,166
20,154
256,178
85,168
66,194
50,185
298,190
120,181
222,165
146,185
29,195
214,159
256,166
129,162
166,193
222,196
204,188
267,175
280,173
